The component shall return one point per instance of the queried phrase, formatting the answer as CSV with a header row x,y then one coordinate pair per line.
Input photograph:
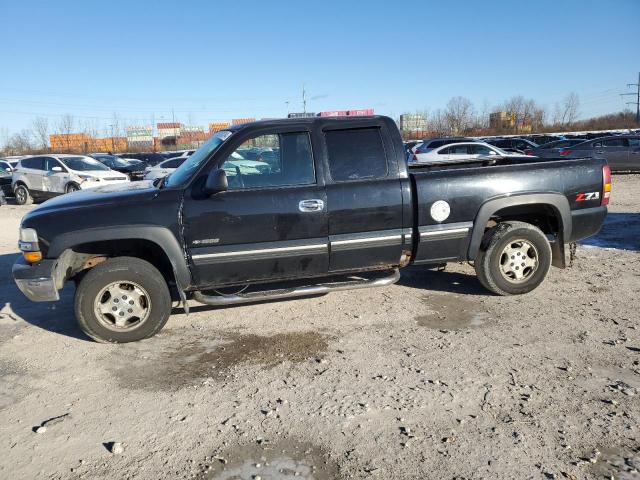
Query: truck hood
x,y
120,193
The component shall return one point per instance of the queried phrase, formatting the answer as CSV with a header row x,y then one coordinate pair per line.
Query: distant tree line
x,y
459,117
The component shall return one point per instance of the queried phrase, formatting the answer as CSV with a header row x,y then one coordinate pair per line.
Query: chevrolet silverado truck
x,y
334,208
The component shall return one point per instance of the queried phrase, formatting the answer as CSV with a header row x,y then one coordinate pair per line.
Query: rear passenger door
x,y
614,150
32,171
364,199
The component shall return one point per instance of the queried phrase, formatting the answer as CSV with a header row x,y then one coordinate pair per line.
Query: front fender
x,y
161,236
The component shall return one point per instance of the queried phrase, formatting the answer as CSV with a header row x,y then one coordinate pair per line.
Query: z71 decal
x,y
582,197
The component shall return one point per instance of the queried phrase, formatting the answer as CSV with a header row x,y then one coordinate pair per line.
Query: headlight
x,y
89,178
28,240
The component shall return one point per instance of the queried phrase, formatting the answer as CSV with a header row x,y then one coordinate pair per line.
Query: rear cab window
x,y
356,154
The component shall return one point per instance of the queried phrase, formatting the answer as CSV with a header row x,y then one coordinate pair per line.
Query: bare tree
x,y
570,108
459,115
66,125
438,123
20,143
41,132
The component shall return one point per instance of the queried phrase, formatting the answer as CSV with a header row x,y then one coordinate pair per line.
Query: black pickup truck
x,y
333,206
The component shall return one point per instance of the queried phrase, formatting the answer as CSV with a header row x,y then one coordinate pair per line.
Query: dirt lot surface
x,y
429,378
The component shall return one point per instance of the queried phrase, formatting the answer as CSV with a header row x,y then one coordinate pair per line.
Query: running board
x,y
304,291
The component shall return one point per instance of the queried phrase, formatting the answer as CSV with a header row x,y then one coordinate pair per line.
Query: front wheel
x,y
72,187
515,258
22,195
124,299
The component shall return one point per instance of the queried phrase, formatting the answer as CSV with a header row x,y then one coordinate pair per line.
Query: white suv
x,y
45,176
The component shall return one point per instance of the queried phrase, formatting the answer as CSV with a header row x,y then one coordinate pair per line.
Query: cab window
x,y
275,160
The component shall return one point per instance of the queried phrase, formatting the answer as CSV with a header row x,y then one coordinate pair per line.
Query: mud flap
x,y
558,254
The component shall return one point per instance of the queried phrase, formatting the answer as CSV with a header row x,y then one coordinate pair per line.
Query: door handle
x,y
312,205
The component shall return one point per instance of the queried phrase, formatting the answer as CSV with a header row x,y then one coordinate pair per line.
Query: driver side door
x,y
270,224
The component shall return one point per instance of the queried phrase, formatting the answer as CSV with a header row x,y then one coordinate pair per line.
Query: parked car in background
x,y
622,152
149,159
430,143
458,152
163,168
552,149
239,169
513,144
176,154
5,182
6,165
132,169
45,176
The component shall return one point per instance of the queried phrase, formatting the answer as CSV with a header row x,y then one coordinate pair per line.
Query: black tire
x,y
72,187
121,270
492,256
22,195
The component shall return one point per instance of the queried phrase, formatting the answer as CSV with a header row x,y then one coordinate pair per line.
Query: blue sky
x,y
208,60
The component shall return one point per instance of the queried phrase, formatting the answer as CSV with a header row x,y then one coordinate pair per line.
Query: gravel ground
x,y
429,378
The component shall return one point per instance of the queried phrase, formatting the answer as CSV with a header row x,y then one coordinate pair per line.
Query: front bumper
x,y
37,281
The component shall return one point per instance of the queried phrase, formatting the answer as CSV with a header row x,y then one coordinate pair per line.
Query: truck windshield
x,y
185,171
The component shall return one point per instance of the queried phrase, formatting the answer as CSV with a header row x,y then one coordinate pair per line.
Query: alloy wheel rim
x,y
122,306
519,261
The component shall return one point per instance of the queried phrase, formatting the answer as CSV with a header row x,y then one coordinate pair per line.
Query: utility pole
x,y
112,139
637,94
304,100
287,104
173,121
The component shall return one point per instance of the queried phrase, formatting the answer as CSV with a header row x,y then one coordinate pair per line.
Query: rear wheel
x,y
515,259
22,195
123,299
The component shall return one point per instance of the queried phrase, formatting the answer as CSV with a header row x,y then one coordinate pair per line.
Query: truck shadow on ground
x,y
620,230
57,317
431,279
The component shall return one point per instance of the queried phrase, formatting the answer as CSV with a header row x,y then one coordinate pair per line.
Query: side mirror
x,y
216,182
56,169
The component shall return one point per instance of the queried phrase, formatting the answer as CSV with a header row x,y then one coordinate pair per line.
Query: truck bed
x,y
478,191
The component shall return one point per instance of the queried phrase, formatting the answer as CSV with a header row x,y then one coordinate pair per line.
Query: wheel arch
x,y
159,243
524,207
71,182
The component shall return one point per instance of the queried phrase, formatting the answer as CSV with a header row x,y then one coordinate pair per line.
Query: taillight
x,y
565,152
529,152
606,184
415,158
